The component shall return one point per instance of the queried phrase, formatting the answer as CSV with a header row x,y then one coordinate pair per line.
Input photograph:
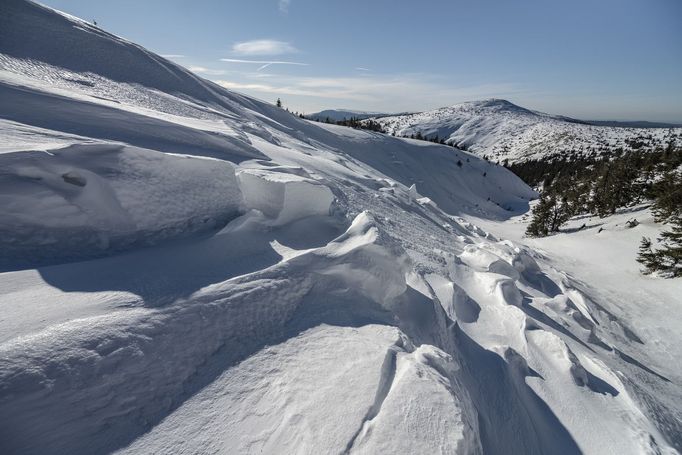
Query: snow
x,y
280,389
89,198
282,196
419,386
606,292
189,270
504,131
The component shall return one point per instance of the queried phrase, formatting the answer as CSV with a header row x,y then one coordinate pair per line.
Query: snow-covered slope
x,y
504,131
189,270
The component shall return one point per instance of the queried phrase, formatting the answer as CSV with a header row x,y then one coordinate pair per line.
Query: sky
x,y
589,59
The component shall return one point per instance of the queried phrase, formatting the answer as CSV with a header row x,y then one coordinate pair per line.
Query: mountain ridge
x,y
504,131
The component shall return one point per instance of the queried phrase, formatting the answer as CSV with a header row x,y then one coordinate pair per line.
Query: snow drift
x,y
90,198
189,270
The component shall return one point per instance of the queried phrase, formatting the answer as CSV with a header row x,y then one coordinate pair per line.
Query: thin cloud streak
x,y
263,47
264,63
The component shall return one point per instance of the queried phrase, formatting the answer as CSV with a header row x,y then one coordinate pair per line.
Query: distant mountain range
x,y
634,124
336,115
501,130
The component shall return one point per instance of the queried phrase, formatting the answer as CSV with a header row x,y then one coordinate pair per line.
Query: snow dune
x,y
188,270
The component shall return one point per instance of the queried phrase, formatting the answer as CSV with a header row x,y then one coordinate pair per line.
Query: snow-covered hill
x,y
189,270
504,131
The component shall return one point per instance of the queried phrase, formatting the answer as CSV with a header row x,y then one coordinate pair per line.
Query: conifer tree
x,y
667,259
668,194
548,216
647,256
671,253
667,208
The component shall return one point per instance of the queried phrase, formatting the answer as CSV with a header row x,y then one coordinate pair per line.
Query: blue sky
x,y
597,59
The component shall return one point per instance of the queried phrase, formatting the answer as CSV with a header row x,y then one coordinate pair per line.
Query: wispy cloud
x,y
263,47
172,56
360,68
264,63
284,6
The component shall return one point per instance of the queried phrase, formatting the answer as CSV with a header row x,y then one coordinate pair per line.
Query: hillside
x,y
504,131
186,269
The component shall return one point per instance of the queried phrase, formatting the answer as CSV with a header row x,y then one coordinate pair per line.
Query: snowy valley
x,y
186,269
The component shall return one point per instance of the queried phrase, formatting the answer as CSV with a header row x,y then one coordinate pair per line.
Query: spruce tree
x,y
668,194
667,208
548,215
647,256
538,225
671,253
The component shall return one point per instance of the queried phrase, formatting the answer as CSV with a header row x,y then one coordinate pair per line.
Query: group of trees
x,y
363,124
279,104
355,122
600,186
420,137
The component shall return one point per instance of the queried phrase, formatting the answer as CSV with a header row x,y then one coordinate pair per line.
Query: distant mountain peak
x,y
496,104
341,114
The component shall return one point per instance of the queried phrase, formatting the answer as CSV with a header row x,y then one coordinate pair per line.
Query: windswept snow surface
x,y
504,131
189,270
597,256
